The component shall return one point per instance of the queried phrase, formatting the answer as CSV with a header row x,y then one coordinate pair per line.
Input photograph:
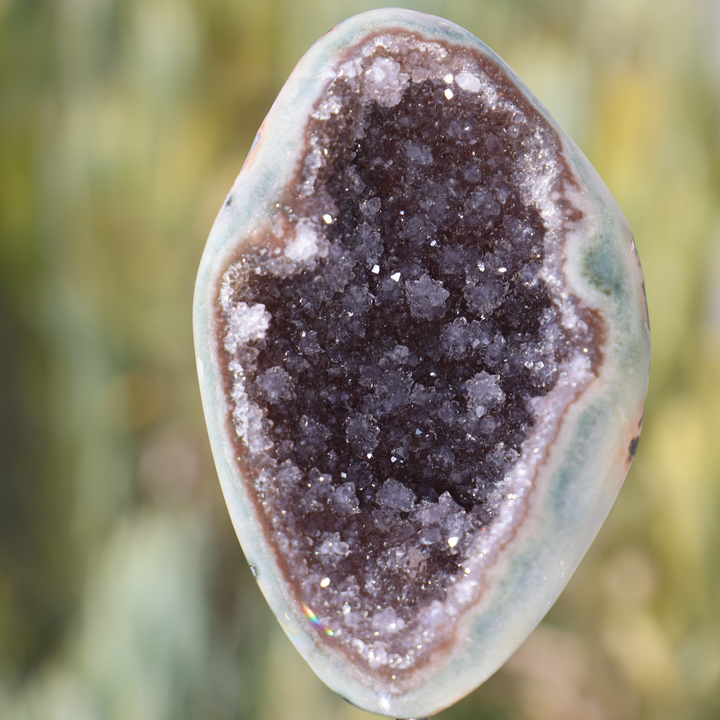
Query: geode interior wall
x,y
387,343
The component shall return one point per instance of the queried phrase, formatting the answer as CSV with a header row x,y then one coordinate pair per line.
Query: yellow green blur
x,y
123,592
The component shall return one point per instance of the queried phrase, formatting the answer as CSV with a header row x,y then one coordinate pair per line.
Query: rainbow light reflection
x,y
314,619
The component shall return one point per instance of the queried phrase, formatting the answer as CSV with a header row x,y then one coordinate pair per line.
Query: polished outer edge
x,y
582,474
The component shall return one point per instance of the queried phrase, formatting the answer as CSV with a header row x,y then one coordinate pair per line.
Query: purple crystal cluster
x,y
389,341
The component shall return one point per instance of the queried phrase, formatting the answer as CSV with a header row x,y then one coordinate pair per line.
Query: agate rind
x,y
579,477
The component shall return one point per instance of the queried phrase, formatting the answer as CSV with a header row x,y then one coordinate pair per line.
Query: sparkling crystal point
x,y
423,352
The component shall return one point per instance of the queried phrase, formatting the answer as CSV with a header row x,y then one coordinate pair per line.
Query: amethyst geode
x,y
423,353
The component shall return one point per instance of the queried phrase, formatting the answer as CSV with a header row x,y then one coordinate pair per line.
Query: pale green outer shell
x,y
585,468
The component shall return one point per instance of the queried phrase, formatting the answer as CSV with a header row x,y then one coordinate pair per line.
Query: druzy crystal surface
x,y
397,341
388,347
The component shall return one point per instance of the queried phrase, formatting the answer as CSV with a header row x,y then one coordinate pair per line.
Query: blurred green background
x,y
123,592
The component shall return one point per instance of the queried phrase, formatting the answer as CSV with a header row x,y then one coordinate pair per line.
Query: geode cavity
x,y
423,349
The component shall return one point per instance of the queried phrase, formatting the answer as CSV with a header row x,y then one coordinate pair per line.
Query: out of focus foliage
x,y
123,593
